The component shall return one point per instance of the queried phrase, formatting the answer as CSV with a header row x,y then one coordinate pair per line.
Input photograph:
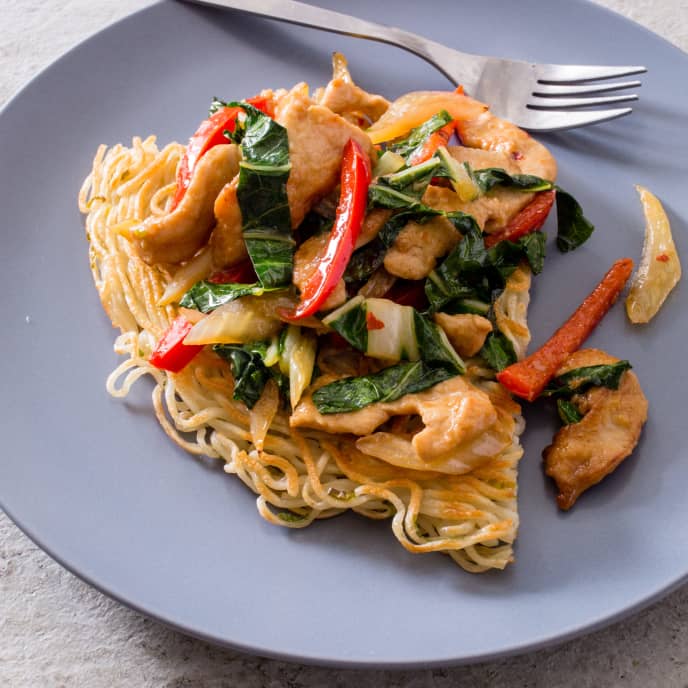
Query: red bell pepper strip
x,y
355,179
530,219
432,143
170,352
528,377
241,273
211,133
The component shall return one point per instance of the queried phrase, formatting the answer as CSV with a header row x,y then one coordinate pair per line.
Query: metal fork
x,y
537,97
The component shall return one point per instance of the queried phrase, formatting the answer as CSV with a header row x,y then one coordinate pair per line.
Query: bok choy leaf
x,y
568,413
252,366
354,393
389,331
580,379
248,369
473,272
207,296
262,196
416,138
497,351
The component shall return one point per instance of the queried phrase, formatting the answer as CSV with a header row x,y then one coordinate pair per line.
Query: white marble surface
x,y
57,631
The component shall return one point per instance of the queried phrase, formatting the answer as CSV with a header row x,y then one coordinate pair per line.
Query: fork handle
x,y
303,14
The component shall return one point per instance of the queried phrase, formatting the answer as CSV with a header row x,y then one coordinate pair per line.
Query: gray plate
x,y
98,485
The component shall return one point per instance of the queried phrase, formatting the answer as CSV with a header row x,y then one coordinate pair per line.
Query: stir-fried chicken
x,y
462,427
176,236
465,331
583,453
227,241
341,95
490,133
416,249
317,137
418,246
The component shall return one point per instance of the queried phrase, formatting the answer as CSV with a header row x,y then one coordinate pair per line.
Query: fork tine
x,y
559,103
575,73
546,120
553,90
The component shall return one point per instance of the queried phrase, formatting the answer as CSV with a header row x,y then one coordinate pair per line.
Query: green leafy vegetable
x,y
533,245
498,351
350,322
580,379
207,296
416,138
404,333
568,412
414,180
262,196
354,393
574,227
433,346
490,177
252,366
382,195
216,105
472,272
249,371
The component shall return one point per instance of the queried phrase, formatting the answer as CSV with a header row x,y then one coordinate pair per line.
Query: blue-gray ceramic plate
x,y
99,486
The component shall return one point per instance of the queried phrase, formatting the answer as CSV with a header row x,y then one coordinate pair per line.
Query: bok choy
x,y
354,393
262,196
389,331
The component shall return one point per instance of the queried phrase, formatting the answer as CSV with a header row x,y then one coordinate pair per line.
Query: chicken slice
x,y
373,222
490,133
415,251
462,428
175,237
583,453
227,240
341,95
466,332
317,137
493,210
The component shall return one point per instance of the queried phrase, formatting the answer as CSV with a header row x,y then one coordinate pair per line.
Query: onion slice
x,y
198,268
660,269
413,109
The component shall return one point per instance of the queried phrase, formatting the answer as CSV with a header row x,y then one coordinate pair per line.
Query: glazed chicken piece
x,y
490,133
466,332
341,95
227,240
583,453
462,427
373,222
417,247
175,237
317,137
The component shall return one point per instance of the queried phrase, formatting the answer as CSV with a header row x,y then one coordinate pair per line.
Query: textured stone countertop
x,y
57,631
